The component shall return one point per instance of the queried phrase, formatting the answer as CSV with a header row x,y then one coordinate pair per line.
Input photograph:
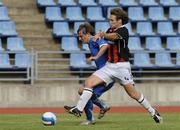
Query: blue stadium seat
x,y
45,3
15,44
178,59
78,61
7,28
148,3
74,14
129,27
23,60
53,14
165,29
76,26
153,44
168,3
173,43
163,59
179,27
101,26
5,61
85,47
93,65
145,29
107,3
69,44
87,3
134,44
174,13
156,13
142,59
136,14
128,3
1,48
4,14
61,29
67,3
95,14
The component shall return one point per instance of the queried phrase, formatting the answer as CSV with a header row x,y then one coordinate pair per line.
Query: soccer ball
x,y
49,118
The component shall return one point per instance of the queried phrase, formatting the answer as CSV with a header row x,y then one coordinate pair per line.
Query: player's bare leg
x,y
133,93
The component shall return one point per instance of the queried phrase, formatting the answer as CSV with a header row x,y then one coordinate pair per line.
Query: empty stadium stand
x,y
136,14
67,3
134,44
107,3
53,14
156,13
148,3
128,3
69,44
173,43
5,62
163,59
61,29
87,3
1,48
74,14
15,44
45,3
153,28
4,14
153,44
142,60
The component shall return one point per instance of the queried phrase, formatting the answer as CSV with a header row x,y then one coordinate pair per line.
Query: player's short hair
x,y
86,28
120,14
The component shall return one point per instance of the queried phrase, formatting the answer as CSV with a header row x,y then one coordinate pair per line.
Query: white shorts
x,y
120,72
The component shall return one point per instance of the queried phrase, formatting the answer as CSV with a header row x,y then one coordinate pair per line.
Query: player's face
x,y
114,23
83,37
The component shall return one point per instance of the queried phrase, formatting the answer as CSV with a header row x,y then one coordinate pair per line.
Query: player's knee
x,y
89,83
80,91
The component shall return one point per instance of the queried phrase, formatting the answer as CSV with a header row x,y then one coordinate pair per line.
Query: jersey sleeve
x,y
122,33
102,42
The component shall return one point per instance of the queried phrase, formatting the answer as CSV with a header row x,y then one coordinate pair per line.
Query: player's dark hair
x,y
120,14
86,28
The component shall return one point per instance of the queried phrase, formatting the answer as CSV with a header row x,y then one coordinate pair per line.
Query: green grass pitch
x,y
119,121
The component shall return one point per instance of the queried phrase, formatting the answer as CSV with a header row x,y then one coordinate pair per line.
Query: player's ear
x,y
120,21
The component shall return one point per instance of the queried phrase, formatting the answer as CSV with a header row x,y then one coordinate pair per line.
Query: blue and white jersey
x,y
94,48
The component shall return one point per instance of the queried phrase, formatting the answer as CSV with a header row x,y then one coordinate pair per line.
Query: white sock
x,y
84,98
144,102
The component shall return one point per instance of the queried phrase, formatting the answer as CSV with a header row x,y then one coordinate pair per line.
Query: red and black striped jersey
x,y
118,50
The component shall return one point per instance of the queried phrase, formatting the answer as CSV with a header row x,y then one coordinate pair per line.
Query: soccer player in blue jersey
x,y
98,54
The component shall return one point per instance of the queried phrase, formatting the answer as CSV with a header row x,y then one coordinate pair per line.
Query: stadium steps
x,y
26,18
38,42
25,26
19,3
31,26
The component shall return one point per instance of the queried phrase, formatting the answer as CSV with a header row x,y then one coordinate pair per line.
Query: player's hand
x,y
96,37
92,58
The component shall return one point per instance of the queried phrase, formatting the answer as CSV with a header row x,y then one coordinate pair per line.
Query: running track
x,y
169,109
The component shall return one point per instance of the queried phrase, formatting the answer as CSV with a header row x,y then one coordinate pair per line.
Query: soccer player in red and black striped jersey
x,y
117,67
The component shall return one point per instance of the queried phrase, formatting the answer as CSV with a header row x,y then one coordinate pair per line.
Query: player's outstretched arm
x,y
102,50
109,36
